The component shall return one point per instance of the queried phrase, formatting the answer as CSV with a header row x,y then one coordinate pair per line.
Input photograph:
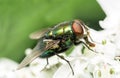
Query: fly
x,y
57,40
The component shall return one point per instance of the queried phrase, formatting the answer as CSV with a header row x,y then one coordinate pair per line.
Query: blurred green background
x,y
18,18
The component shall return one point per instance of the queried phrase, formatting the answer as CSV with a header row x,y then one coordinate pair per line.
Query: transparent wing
x,y
36,53
38,34
28,59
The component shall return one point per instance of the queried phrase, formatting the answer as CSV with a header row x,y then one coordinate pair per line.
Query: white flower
x,y
6,68
112,11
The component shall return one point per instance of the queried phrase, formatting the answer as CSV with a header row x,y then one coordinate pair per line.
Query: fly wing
x,y
38,34
28,59
36,53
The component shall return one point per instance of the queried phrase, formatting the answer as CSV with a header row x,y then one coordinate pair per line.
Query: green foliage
x,y
18,18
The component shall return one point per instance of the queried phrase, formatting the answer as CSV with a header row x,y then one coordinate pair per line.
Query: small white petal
x,y
112,10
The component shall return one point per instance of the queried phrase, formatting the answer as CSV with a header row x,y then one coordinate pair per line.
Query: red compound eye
x,y
77,27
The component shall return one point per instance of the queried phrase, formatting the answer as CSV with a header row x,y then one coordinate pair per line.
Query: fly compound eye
x,y
77,28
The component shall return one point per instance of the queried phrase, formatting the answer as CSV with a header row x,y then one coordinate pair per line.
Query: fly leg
x,y
87,46
89,36
90,44
67,62
46,64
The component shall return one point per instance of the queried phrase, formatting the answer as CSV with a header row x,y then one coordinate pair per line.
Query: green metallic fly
x,y
57,40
